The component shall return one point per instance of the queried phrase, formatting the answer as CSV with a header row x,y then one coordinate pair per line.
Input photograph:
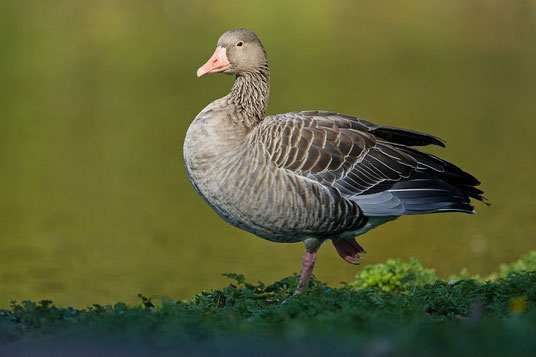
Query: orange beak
x,y
217,63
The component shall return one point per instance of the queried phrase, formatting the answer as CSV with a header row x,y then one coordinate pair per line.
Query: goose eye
x,y
239,43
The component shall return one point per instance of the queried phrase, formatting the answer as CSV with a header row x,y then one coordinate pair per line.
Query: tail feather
x,y
425,191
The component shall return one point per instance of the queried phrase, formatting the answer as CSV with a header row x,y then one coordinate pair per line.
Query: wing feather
x,y
367,163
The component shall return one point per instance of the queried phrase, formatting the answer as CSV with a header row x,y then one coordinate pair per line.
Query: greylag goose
x,y
309,176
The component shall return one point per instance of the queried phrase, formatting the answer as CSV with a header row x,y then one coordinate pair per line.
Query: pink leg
x,y
348,249
308,261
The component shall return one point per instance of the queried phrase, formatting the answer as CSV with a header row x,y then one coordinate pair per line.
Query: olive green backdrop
x,y
96,97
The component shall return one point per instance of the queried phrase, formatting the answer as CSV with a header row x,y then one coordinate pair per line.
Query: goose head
x,y
238,52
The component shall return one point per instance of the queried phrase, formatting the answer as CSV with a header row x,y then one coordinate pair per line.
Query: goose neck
x,y
250,94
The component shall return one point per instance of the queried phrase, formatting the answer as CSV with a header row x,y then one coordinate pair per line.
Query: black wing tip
x,y
482,199
435,140
438,141
407,136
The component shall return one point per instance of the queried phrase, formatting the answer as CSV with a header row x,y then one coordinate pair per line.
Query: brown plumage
x,y
313,175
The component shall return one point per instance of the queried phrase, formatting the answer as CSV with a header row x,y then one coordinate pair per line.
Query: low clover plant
x,y
395,274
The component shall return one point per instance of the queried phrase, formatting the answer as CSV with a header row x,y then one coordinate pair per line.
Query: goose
x,y
309,176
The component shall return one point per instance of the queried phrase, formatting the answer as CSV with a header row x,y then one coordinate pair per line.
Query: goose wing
x,y
373,165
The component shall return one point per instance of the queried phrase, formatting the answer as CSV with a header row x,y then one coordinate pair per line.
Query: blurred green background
x,y
96,97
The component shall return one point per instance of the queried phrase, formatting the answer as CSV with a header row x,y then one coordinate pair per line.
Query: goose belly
x,y
270,203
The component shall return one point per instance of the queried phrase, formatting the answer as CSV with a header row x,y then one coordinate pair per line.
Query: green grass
x,y
396,308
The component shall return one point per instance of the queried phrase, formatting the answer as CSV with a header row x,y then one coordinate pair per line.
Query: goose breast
x,y
238,176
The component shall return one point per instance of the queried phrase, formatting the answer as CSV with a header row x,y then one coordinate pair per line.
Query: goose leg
x,y
308,262
348,249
